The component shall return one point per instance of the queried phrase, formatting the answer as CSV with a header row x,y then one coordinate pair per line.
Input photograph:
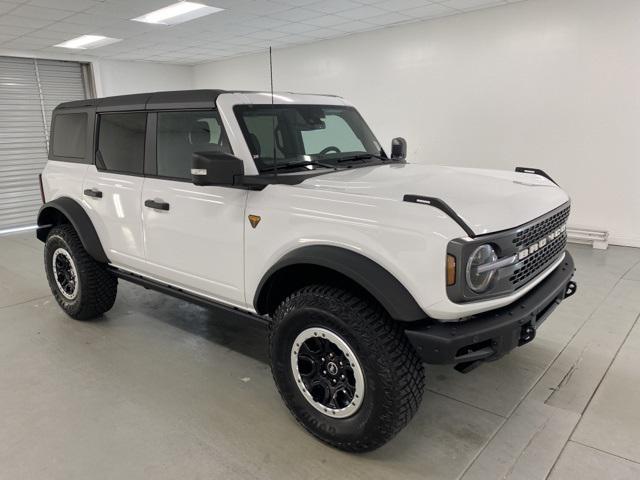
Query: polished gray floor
x,y
159,389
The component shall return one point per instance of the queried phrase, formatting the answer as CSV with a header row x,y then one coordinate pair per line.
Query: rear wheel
x,y
83,288
344,368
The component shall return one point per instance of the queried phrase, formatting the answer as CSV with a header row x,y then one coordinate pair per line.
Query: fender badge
x,y
254,220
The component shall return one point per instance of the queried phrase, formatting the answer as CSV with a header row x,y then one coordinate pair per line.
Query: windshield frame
x,y
365,157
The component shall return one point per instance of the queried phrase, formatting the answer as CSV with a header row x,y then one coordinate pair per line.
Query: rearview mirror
x,y
398,148
216,168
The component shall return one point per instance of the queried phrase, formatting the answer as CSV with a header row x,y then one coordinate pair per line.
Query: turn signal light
x,y
451,270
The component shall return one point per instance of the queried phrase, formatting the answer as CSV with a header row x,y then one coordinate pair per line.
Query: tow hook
x,y
527,334
571,289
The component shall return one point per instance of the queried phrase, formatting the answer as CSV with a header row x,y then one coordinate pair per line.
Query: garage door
x,y
29,91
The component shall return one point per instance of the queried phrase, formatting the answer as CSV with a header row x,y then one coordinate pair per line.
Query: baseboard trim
x,y
625,241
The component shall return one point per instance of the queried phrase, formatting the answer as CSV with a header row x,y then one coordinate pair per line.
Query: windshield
x,y
306,136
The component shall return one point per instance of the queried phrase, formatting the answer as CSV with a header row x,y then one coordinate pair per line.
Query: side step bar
x,y
185,295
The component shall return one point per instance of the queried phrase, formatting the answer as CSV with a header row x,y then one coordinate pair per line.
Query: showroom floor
x,y
159,388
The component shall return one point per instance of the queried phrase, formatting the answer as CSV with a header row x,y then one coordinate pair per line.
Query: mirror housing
x,y
398,148
216,168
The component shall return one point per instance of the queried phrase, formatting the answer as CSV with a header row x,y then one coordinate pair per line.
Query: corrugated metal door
x,y
29,91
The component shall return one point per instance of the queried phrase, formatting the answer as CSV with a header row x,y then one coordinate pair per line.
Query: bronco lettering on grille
x,y
525,252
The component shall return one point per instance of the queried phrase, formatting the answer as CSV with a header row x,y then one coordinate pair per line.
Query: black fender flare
x,y
372,277
49,216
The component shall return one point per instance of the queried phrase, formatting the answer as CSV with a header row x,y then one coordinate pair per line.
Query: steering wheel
x,y
324,151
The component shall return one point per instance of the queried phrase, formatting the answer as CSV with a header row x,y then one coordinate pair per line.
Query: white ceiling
x,y
245,26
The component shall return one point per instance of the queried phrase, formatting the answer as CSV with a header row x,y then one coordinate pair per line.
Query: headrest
x,y
199,133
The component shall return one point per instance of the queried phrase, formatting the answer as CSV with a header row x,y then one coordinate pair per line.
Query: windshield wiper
x,y
298,164
361,156
315,163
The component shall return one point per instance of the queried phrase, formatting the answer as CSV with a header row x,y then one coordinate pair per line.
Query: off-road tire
x,y
97,287
393,373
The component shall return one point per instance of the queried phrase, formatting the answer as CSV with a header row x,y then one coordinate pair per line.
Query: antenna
x,y
273,115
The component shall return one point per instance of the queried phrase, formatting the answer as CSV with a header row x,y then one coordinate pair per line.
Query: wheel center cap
x,y
332,368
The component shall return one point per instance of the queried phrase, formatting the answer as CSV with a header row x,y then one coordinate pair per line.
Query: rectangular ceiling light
x,y
177,13
88,41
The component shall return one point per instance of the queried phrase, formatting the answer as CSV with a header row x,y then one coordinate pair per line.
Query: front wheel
x,y
345,370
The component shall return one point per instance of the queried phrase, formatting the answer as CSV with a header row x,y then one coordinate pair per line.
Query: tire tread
x,y
372,323
99,286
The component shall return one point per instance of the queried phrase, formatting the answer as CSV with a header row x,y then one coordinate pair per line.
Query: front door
x,y
193,235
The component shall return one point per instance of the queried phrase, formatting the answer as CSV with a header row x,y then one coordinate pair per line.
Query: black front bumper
x,y
490,335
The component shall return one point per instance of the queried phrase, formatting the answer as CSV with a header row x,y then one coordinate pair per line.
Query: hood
x,y
487,200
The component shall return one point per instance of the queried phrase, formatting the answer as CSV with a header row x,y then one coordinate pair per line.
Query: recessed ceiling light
x,y
177,13
88,41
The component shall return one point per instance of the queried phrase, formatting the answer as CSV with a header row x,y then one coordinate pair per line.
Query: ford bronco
x,y
285,208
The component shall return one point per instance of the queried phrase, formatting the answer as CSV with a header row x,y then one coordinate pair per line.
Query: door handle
x,y
90,192
156,205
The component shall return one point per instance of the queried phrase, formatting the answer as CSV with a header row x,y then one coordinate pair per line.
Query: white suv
x,y
285,208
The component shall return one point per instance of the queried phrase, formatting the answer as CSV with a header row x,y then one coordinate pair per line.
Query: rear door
x,y
193,235
113,185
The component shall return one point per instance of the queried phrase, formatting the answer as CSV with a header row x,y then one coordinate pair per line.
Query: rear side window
x,y
70,135
180,134
121,138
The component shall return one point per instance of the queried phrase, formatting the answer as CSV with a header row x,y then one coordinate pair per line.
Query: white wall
x,y
553,84
120,77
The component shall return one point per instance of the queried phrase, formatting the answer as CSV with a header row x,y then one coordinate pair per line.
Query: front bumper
x,y
490,335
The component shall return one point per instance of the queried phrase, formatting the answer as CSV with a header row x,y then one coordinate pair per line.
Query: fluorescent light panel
x,y
177,13
84,42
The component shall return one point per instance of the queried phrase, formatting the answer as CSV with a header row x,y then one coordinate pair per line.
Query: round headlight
x,y
480,282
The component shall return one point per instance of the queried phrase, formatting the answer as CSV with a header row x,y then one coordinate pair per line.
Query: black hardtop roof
x,y
150,101
155,100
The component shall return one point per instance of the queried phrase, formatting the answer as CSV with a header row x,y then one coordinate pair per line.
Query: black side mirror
x,y
216,168
398,148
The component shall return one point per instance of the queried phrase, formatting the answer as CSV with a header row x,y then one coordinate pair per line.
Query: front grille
x,y
532,234
536,263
